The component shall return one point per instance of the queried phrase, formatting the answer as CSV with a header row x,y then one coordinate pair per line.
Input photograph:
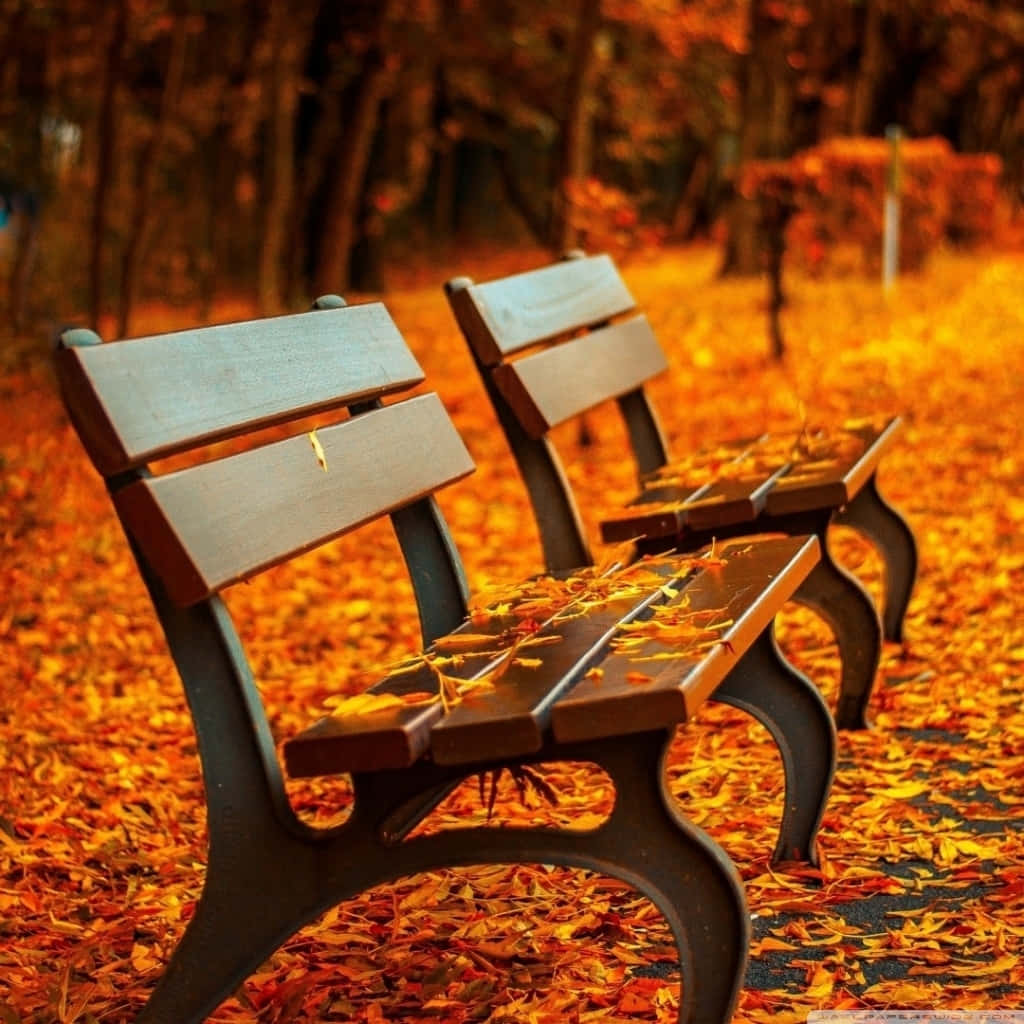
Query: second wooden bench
x,y
554,342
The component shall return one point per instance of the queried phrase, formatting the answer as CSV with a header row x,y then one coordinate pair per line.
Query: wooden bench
x,y
578,696
554,342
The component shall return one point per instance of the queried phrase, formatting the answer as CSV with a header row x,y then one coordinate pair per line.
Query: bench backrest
x,y
203,527
550,344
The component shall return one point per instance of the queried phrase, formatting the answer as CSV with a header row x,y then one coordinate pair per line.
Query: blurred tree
x,y
350,63
26,177
175,28
281,86
289,148
767,85
575,150
106,137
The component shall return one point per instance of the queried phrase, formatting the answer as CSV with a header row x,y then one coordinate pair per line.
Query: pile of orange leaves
x,y
918,899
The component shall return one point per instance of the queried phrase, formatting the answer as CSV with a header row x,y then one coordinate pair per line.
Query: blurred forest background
x,y
279,149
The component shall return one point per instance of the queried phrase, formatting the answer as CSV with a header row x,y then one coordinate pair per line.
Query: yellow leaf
x,y
907,790
370,703
463,641
318,450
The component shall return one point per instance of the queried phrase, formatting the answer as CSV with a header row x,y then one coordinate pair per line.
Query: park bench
x,y
196,529
554,342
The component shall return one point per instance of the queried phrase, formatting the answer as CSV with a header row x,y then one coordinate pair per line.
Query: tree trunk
x,y
684,218
278,164
869,70
767,103
345,185
135,251
105,157
574,162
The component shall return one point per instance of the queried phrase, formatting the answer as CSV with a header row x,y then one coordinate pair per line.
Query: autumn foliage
x,y
919,899
837,191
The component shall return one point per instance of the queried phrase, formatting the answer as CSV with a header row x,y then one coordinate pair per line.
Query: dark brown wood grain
x,y
392,737
210,525
748,589
665,511
510,718
135,401
821,482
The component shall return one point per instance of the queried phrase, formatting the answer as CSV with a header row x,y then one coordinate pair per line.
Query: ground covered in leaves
x,y
919,900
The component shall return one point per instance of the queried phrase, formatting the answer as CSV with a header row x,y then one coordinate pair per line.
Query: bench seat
x,y
773,475
565,675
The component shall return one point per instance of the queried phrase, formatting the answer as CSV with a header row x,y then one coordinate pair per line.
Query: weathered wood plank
x,y
135,401
550,387
832,479
210,525
510,719
502,317
616,703
721,487
666,512
395,737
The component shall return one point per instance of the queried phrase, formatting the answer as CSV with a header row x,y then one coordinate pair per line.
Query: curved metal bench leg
x,y
793,710
252,900
648,843
871,515
841,600
264,883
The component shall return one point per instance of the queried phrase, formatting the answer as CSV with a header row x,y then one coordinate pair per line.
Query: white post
x,y
891,221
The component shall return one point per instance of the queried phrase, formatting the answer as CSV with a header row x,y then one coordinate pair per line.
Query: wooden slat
x,y
642,520
616,704
213,524
550,387
502,317
667,512
504,722
383,740
784,482
390,738
722,487
510,719
138,400
832,482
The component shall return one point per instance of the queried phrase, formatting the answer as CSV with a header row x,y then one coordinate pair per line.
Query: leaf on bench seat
x,y
469,666
677,627
813,467
369,703
318,450
662,679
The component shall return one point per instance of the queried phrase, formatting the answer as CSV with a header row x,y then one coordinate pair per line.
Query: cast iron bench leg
x,y
791,707
264,882
841,600
647,843
871,515
242,917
